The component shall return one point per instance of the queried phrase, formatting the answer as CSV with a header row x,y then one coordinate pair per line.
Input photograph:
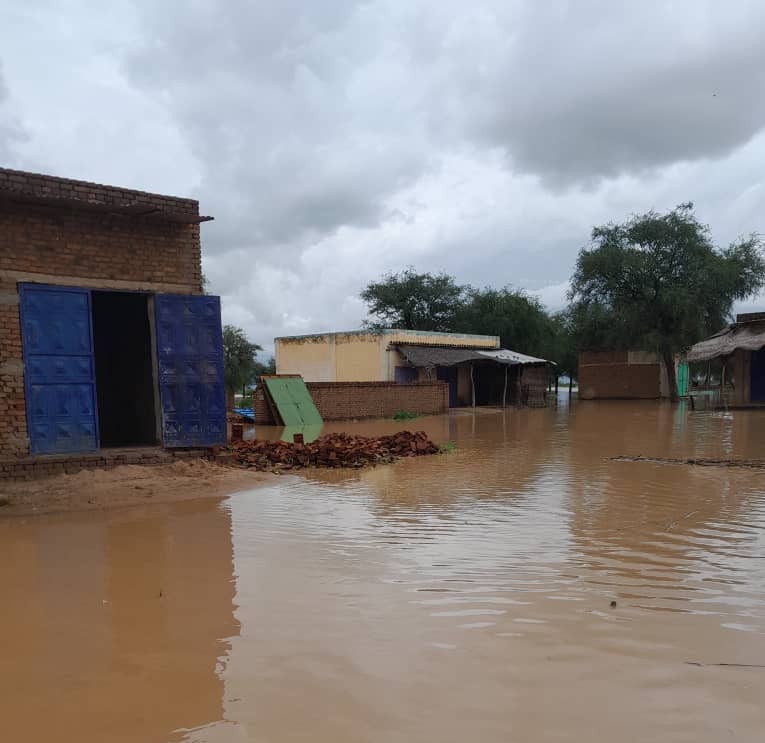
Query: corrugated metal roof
x,y
749,336
513,357
437,355
424,356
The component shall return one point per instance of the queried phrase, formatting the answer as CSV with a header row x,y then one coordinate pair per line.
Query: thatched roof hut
x,y
747,334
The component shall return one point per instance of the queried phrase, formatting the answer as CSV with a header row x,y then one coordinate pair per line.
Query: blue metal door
x,y
59,373
757,379
190,360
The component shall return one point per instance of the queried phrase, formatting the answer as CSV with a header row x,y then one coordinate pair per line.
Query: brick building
x,y
623,375
476,370
106,339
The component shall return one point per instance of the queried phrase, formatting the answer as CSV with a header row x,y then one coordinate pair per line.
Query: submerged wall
x,y
348,400
622,375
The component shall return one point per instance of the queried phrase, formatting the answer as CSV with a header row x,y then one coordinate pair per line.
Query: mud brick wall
x,y
36,468
13,423
613,378
348,400
534,381
61,243
62,240
345,400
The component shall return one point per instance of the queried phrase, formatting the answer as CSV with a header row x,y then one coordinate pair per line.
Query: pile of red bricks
x,y
332,451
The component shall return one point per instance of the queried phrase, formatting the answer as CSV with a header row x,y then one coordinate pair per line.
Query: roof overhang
x,y
134,209
429,356
747,336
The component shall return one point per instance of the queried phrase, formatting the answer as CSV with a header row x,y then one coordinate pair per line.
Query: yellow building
x,y
363,355
474,366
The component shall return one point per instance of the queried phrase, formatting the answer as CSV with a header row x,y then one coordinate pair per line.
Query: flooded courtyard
x,y
524,587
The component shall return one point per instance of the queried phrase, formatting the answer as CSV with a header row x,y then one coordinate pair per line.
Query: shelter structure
x,y
627,375
741,346
476,370
106,339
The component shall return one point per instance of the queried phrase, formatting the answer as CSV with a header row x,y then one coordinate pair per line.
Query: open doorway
x,y
125,386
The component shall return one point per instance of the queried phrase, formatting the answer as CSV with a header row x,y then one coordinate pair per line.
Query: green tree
x,y
519,320
414,301
239,365
268,368
658,283
563,347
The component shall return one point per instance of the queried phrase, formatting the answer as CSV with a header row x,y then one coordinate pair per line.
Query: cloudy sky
x,y
334,140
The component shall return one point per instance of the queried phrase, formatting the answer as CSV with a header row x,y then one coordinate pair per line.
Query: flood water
x,y
461,597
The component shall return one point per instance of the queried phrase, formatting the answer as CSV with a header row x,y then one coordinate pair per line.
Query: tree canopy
x,y
239,363
519,320
657,282
414,301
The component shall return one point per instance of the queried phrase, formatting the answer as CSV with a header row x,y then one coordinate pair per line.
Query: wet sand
x,y
125,486
461,597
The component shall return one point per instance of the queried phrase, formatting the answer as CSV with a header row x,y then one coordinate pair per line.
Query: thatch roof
x,y
749,336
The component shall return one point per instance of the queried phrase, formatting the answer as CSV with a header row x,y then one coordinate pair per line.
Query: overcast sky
x,y
334,140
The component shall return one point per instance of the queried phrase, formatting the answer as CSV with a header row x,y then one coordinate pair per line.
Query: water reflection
x,y
457,597
115,625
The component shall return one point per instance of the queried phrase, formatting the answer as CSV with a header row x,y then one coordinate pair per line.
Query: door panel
x,y
59,377
190,359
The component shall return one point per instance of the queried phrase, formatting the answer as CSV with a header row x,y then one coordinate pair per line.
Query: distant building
x,y
742,346
475,368
625,375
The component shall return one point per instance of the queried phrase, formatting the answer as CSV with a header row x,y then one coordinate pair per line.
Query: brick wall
x,y
67,241
347,400
619,381
13,423
534,380
36,468
72,239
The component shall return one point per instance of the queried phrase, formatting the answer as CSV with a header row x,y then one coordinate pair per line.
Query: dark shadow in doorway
x,y
124,369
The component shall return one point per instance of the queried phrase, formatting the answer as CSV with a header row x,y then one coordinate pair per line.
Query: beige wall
x,y
335,357
360,356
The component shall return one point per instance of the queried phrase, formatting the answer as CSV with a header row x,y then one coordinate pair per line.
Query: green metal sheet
x,y
292,401
682,379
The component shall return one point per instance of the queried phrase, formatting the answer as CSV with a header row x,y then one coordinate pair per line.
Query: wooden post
x,y
518,400
570,384
556,384
504,391
472,384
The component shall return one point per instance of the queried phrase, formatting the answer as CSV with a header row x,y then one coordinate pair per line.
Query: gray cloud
x,y
599,89
337,140
11,131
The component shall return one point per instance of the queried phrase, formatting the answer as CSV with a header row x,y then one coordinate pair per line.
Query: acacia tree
x,y
414,301
657,282
518,319
239,364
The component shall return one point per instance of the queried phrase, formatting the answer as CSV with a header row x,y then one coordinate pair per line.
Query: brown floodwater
x,y
462,597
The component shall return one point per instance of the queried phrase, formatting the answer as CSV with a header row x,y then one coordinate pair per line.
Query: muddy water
x,y
460,597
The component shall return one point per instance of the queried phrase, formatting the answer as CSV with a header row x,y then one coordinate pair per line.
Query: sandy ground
x,y
128,485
